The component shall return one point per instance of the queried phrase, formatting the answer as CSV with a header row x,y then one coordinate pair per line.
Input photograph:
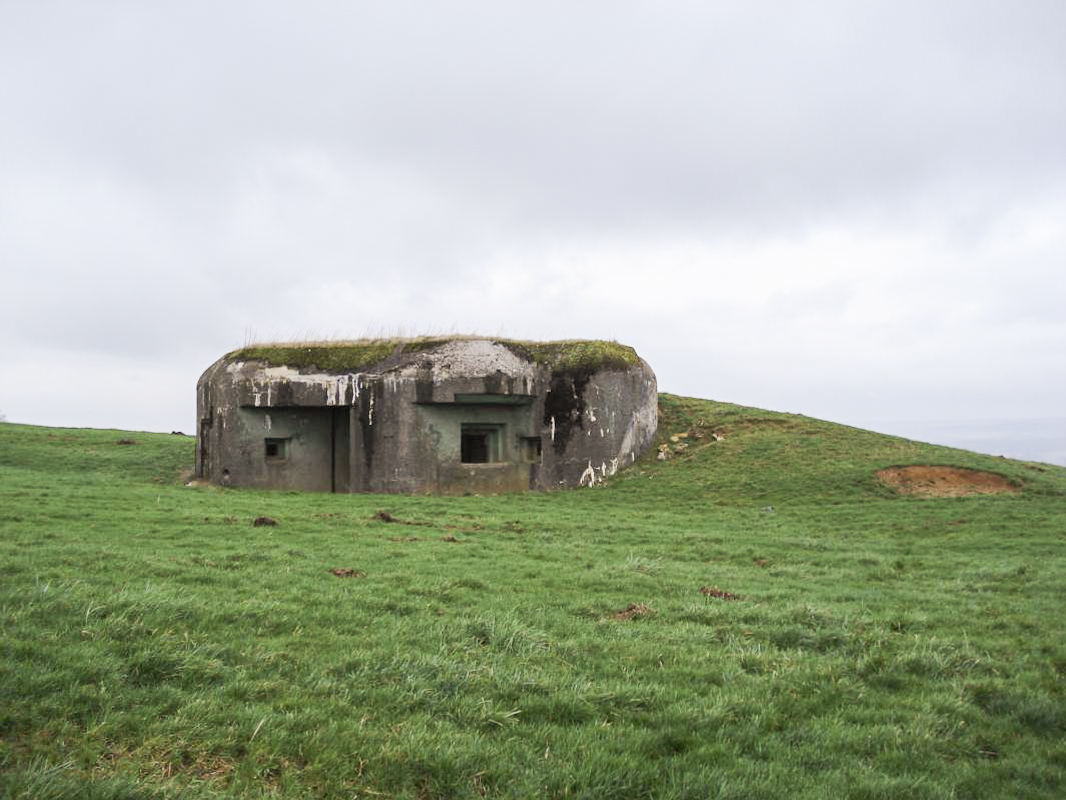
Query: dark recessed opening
x,y
276,449
479,444
475,448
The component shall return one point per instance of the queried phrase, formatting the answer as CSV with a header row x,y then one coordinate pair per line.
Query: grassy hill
x,y
756,615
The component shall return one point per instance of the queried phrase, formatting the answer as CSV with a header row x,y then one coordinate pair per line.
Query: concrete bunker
x,y
429,415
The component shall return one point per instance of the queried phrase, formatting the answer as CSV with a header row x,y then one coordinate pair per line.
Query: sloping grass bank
x,y
848,642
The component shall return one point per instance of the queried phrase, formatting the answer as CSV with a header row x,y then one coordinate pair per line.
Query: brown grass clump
x,y
346,572
715,592
632,611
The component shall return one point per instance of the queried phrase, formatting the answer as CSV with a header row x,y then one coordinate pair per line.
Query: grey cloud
x,y
173,175
573,116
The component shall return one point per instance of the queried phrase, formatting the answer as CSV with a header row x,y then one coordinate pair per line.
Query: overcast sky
x,y
851,210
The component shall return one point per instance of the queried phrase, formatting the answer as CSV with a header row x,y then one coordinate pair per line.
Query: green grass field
x,y
849,642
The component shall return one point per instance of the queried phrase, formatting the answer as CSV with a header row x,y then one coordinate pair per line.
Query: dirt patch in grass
x,y
934,481
347,572
632,611
385,516
715,592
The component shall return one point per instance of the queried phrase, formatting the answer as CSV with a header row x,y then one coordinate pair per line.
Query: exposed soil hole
x,y
345,572
631,611
259,522
385,516
932,481
126,441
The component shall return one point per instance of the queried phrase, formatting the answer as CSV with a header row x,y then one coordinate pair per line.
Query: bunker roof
x,y
351,356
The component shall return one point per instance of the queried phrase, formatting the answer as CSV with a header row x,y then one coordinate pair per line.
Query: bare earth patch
x,y
714,591
347,572
633,610
932,481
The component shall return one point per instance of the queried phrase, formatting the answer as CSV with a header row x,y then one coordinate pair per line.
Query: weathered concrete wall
x,y
400,424
595,424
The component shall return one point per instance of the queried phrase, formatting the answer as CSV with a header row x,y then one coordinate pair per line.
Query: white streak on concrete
x,y
339,390
266,421
588,476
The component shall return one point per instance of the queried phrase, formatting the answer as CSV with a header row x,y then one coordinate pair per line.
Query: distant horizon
x,y
1041,439
770,208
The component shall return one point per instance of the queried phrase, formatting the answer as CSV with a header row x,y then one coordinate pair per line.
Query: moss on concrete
x,y
564,356
332,356
575,354
328,358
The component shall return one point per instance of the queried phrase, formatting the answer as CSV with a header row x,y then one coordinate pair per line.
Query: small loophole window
x,y
480,444
276,449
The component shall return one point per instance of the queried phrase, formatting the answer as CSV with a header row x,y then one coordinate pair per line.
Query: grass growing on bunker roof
x,y
331,356
573,354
